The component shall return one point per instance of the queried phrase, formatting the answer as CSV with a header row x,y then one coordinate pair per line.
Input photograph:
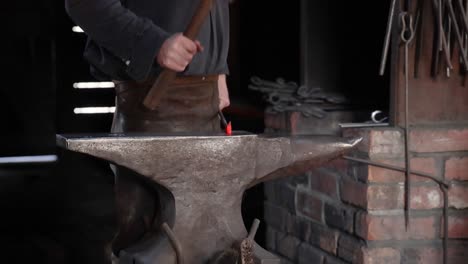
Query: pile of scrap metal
x,y
450,33
288,96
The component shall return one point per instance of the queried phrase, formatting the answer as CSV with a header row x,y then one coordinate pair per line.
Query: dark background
x,y
62,212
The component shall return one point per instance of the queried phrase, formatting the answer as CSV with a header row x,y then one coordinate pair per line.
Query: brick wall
x,y
350,212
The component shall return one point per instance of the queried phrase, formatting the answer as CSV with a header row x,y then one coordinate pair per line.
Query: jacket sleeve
x,y
135,40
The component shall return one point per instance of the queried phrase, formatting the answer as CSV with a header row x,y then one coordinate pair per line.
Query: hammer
x,y
165,78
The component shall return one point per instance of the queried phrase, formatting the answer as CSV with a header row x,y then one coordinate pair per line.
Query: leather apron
x,y
190,106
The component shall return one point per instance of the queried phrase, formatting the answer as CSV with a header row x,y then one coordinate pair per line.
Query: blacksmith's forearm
x,y
133,39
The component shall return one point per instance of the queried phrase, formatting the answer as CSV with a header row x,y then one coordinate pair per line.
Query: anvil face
x,y
207,176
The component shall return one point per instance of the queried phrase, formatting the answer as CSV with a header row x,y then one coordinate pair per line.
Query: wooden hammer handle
x,y
165,78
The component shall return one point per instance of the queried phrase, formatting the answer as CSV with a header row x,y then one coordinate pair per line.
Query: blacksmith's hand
x,y
223,92
177,52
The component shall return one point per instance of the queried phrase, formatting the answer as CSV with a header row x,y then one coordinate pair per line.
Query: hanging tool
x,y
388,34
436,40
407,34
444,45
464,19
463,83
457,32
449,38
440,19
463,16
165,78
419,36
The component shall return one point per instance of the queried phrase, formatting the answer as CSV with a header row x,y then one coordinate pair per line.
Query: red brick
x,y
423,255
382,175
350,249
426,197
364,133
438,140
285,196
391,196
380,255
308,205
294,120
328,240
388,197
276,216
333,260
354,192
309,254
373,227
380,197
325,182
378,142
288,246
457,253
275,121
300,228
457,227
426,165
300,125
270,237
458,196
339,217
338,165
456,168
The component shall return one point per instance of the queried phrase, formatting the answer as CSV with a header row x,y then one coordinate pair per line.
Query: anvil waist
x,y
190,105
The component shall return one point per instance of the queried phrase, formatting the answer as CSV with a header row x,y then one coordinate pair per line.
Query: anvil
x,y
204,178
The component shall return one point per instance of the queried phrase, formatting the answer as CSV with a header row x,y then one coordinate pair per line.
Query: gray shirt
x,y
125,36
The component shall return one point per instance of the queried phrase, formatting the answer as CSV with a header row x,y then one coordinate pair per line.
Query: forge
x,y
201,181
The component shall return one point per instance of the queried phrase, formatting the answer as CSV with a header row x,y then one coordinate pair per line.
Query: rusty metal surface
x,y
206,177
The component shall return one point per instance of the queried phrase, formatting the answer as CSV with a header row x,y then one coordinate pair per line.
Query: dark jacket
x,y
124,36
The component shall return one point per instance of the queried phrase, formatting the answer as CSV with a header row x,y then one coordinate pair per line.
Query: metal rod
x,y
407,29
457,32
445,215
464,23
387,37
449,41
435,40
444,47
440,24
419,38
396,168
466,41
254,228
174,242
463,14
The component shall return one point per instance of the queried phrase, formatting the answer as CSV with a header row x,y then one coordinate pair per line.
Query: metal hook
x,y
407,30
374,117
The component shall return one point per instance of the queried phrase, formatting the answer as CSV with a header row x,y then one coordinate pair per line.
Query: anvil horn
x,y
297,154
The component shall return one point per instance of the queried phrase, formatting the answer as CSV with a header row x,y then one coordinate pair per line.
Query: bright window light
x,y
94,110
28,159
77,29
93,85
